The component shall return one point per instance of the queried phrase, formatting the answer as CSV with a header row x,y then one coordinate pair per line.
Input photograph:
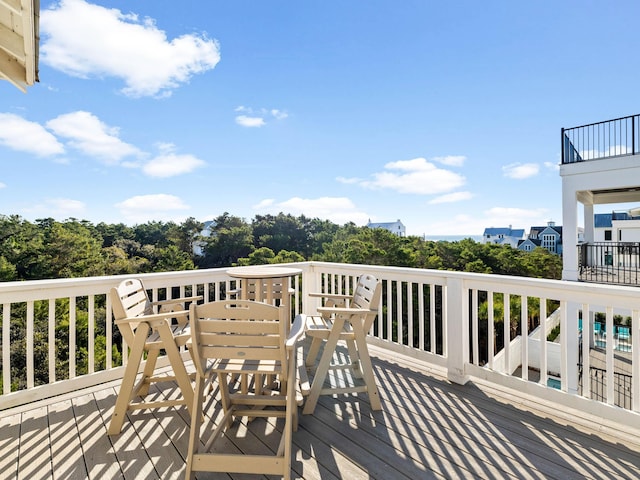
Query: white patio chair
x,y
243,337
343,318
146,332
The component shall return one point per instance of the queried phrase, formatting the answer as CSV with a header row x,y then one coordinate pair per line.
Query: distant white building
x,y
503,236
397,228
617,226
198,245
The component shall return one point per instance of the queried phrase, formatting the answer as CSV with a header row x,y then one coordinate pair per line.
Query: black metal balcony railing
x,y
611,138
598,378
609,262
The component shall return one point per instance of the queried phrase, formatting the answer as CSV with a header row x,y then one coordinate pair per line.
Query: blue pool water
x,y
553,383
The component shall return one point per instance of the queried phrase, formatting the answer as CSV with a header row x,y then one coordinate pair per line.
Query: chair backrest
x,y
367,295
128,300
268,290
238,330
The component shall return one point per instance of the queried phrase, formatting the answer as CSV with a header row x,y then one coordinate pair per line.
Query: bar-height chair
x,y
147,332
243,337
342,318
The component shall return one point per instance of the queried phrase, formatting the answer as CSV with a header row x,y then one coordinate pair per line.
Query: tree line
x,y
48,248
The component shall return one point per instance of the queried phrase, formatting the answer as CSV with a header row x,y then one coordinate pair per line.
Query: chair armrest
x,y
296,332
345,310
336,296
154,318
177,300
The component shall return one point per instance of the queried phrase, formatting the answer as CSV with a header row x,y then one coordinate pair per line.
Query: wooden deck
x,y
428,428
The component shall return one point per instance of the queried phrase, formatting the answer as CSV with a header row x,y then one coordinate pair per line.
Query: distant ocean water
x,y
452,238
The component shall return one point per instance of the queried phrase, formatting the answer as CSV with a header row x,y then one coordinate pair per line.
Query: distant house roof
x,y
19,42
539,230
386,225
506,231
533,241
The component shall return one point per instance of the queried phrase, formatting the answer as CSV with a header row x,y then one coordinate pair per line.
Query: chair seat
x,y
318,326
182,334
236,366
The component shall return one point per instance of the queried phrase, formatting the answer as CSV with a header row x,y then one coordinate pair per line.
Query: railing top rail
x,y
599,123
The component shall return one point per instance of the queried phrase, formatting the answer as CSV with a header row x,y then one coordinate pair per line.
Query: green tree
x,y
231,238
70,251
184,235
171,258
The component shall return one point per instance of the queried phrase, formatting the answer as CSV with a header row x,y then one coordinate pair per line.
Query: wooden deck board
x,y
428,428
9,445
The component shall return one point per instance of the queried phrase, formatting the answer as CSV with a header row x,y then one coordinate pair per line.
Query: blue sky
x,y
445,115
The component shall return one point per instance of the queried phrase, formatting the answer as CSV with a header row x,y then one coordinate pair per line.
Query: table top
x,y
263,272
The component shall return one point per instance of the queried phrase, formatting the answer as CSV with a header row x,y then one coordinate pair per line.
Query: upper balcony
x,y
456,402
595,141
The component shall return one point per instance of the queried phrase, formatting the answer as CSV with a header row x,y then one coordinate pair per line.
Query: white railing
x,y
453,321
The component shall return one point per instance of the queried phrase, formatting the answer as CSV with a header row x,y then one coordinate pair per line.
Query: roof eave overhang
x,y
19,42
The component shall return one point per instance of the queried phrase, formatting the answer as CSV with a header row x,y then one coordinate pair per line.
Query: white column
x,y
589,228
569,232
457,330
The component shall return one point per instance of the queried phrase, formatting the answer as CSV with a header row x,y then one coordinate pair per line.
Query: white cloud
x,y
86,40
170,164
257,118
417,176
57,208
520,171
514,215
246,121
552,166
25,136
143,208
349,181
451,197
91,136
451,160
279,114
267,202
3,185
339,210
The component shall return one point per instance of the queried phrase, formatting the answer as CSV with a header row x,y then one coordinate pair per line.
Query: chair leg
x,y
149,368
128,381
354,359
225,399
196,424
314,349
179,370
323,367
367,369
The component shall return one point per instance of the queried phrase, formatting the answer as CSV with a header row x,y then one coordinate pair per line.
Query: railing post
x,y
633,135
457,328
570,340
562,159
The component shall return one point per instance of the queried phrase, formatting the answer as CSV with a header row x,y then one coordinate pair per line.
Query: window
x,y
549,242
607,235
